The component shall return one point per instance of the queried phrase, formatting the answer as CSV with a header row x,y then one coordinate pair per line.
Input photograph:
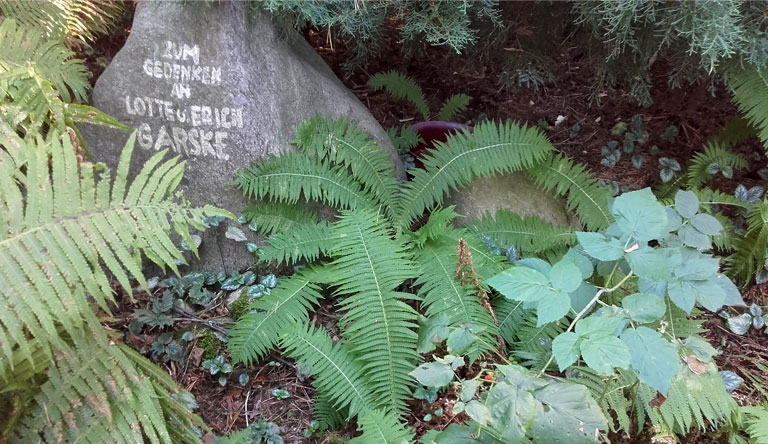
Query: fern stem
x,y
584,311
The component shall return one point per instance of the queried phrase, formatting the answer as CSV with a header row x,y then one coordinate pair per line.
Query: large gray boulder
x,y
221,86
514,192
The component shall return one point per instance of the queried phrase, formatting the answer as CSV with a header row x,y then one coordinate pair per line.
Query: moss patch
x,y
210,345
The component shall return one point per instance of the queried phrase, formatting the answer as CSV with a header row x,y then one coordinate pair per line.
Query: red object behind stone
x,y
433,131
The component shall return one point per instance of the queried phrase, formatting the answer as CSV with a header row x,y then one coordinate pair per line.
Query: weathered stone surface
x,y
221,86
513,192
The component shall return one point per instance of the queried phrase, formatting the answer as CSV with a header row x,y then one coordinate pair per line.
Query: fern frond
x,y
583,194
610,393
76,21
57,230
713,154
55,63
277,217
750,89
757,423
326,414
735,131
258,332
404,138
337,375
750,249
400,86
529,235
368,265
342,143
379,427
490,149
455,104
532,345
444,295
511,316
95,392
304,242
293,176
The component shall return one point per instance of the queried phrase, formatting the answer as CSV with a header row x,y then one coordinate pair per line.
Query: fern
x,y
713,154
289,178
532,345
324,413
590,201
444,295
455,104
380,428
77,22
275,217
489,150
611,394
750,88
511,316
750,250
341,143
51,59
306,242
529,235
368,265
757,423
403,87
336,374
258,331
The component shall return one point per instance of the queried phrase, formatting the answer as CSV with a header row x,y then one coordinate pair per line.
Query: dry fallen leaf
x,y
695,365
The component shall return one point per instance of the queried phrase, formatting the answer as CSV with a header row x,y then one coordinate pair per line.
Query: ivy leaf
x,y
433,374
521,284
512,410
552,308
740,324
707,224
600,246
571,415
565,348
565,276
644,308
666,174
637,161
640,215
604,352
654,358
236,234
686,203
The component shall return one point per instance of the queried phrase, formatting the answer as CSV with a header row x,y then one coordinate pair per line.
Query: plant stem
x,y
594,300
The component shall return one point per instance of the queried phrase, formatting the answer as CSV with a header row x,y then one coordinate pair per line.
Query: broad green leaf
x,y
640,215
565,276
478,412
692,237
710,295
707,224
432,331
433,374
700,347
649,263
681,293
599,246
740,324
686,203
459,340
674,221
565,348
469,388
654,358
453,434
651,287
552,308
581,297
581,261
644,308
521,284
535,263
520,377
601,325
604,352
696,266
512,410
732,293
569,415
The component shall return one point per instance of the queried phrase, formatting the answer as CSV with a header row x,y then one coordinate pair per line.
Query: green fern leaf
x,y
611,394
403,87
258,331
368,266
590,201
529,235
490,149
276,217
342,143
57,231
306,242
750,89
456,104
757,423
291,177
511,316
337,375
751,248
444,295
378,427
713,154
326,414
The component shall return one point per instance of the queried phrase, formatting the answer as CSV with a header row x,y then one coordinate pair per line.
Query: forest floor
x,y
693,110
